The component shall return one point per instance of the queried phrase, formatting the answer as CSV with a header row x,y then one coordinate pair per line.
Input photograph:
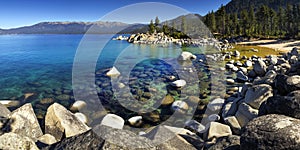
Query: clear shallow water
x,y
35,63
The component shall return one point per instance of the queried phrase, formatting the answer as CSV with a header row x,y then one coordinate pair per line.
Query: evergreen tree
x,y
157,21
183,25
252,21
151,27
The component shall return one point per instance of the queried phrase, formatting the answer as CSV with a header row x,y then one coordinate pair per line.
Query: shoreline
x,y
282,45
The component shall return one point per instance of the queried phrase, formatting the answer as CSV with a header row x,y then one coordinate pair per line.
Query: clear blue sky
x,y
16,13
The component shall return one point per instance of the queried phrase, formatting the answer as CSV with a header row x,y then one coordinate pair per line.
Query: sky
x,y
17,13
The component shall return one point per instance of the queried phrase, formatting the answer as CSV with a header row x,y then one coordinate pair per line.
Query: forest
x,y
261,22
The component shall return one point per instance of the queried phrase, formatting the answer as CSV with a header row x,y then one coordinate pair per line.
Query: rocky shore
x,y
259,110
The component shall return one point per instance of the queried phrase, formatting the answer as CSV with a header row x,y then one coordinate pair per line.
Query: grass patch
x,y
246,50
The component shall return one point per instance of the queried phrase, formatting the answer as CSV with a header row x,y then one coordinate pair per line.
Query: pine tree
x,y
183,25
157,21
151,27
252,21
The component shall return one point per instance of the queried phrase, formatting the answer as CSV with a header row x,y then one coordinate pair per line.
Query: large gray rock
x,y
121,139
231,142
60,121
234,124
216,104
286,105
13,141
241,76
271,132
258,94
113,121
260,68
269,78
4,112
245,113
286,84
25,123
216,130
87,140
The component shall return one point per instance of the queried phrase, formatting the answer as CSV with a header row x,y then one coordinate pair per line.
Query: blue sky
x,y
16,13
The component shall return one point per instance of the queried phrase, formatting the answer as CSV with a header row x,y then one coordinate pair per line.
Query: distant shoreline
x,y
283,45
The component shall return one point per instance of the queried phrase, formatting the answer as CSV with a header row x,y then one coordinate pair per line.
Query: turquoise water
x,y
37,63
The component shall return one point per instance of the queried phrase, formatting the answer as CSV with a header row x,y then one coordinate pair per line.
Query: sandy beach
x,y
275,44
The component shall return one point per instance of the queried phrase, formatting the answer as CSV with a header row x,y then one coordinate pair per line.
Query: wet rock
x,y
10,103
136,121
13,141
217,130
46,100
168,100
25,123
4,112
113,72
231,142
179,83
186,56
63,97
47,139
153,116
60,121
271,132
241,76
113,121
180,106
216,104
260,68
245,113
258,94
78,105
87,140
286,105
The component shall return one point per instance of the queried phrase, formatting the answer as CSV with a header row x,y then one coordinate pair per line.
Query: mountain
x,y
75,28
238,5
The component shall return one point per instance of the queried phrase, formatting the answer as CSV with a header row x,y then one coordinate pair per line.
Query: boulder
x,y
234,124
260,68
216,104
78,105
217,130
113,72
271,132
113,121
186,56
168,100
47,139
136,121
257,94
13,141
82,117
87,140
195,125
4,112
294,51
25,123
286,105
241,76
245,113
286,84
231,142
180,106
179,83
269,78
60,121
229,109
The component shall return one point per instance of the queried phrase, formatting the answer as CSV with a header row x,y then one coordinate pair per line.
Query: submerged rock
x,y
179,83
60,121
271,132
186,56
113,72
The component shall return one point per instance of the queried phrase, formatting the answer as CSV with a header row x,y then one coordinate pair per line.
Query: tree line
x,y
263,22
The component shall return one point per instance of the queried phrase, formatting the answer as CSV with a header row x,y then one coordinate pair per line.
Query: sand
x,y
275,44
